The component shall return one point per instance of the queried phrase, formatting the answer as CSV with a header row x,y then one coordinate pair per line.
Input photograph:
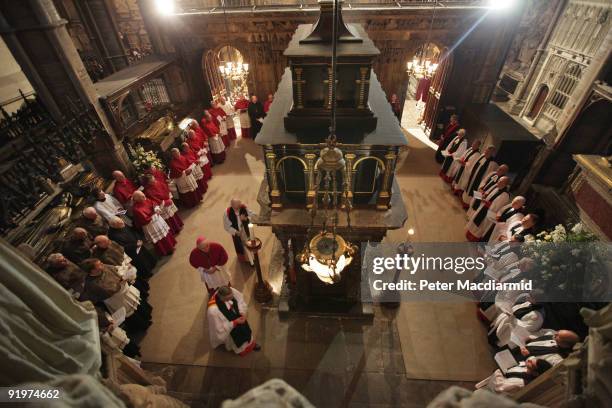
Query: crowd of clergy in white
x,y
110,251
524,348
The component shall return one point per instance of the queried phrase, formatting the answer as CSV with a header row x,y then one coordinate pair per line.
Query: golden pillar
x,y
363,82
384,197
310,169
348,188
299,92
275,196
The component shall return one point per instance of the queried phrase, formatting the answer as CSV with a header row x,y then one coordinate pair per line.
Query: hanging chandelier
x,y
232,71
420,67
327,253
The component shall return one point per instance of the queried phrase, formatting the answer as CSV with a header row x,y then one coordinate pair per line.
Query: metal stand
x,y
263,290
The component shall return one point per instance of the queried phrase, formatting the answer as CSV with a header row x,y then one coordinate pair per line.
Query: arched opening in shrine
x,y
591,133
538,102
421,67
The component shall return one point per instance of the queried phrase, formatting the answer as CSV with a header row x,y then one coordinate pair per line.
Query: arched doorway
x,y
538,102
210,66
436,92
418,84
591,133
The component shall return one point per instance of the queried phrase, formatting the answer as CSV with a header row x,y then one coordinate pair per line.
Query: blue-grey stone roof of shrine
x,y
363,48
387,133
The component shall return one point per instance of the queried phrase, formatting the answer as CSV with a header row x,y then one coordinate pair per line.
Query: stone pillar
x,y
39,41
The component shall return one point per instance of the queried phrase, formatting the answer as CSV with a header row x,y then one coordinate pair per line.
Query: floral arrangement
x,y
567,260
143,159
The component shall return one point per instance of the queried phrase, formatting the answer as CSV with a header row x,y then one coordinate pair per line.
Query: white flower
x,y
575,252
578,228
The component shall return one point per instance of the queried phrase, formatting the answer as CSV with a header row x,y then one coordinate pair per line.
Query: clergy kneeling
x,y
227,323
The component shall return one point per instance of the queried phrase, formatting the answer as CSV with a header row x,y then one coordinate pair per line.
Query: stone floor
x,y
332,362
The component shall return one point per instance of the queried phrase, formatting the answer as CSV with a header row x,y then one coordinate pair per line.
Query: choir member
x,y
218,115
77,246
156,230
242,107
516,377
202,152
449,132
515,211
157,190
69,275
493,200
229,117
227,323
268,102
108,206
483,166
217,148
190,193
236,219
523,227
123,188
552,346
487,184
256,114
133,244
194,165
453,151
396,106
466,160
92,222
209,258
526,314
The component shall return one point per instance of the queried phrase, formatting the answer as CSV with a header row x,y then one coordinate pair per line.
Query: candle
x,y
251,231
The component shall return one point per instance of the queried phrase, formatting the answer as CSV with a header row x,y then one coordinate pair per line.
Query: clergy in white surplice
x,y
522,228
484,217
513,327
515,211
455,149
459,162
227,323
549,345
460,182
483,166
515,377
236,220
487,183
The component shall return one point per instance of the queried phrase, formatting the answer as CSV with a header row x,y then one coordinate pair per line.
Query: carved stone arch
x,y
538,102
210,69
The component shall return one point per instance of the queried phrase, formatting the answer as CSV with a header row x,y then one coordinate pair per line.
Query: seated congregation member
x,y
156,230
227,323
218,115
157,190
69,275
77,246
133,244
487,184
92,222
209,259
515,211
493,200
526,314
242,108
190,193
552,346
451,128
236,219
108,206
523,227
215,143
465,164
455,149
483,166
123,188
229,117
516,377
104,285
194,165
113,335
201,153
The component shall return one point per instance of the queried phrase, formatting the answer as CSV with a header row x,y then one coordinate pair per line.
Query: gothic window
x,y
538,102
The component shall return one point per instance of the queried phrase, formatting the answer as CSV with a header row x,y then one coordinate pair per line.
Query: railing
x,y
187,6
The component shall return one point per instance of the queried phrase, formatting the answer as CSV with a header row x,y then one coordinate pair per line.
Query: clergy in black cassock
x,y
143,259
256,114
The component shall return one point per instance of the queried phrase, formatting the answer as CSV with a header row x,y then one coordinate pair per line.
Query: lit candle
x,y
251,231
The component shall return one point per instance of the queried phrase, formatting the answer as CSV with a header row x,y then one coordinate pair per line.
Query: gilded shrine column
x,y
310,169
275,197
349,158
384,197
363,83
298,83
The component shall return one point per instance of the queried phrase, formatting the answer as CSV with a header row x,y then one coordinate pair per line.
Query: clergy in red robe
x,y
268,102
242,107
187,186
217,148
194,165
202,153
209,258
229,118
218,116
124,188
156,230
447,136
158,192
